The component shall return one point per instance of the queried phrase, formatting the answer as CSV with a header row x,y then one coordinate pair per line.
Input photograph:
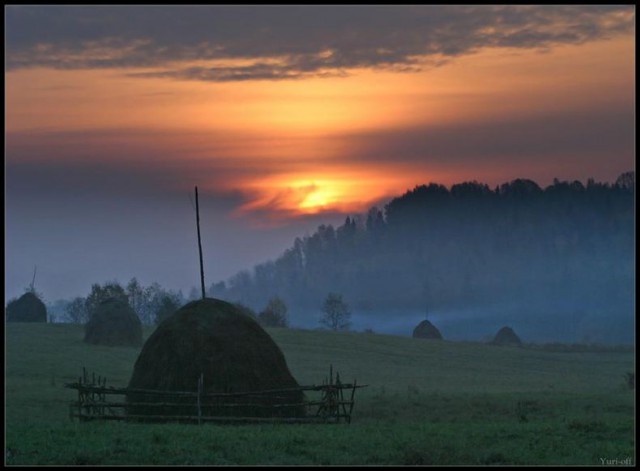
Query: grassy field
x,y
427,403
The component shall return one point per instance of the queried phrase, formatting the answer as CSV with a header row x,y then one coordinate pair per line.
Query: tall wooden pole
x,y
199,244
33,281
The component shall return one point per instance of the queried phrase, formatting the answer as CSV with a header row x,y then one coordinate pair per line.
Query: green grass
x,y
427,403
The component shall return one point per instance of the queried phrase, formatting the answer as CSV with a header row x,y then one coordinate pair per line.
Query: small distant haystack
x,y
232,352
426,330
27,308
113,323
506,336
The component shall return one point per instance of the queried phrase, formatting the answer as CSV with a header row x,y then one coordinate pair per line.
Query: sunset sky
x,y
285,117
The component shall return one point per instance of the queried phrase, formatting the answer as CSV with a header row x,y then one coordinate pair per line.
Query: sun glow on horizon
x,y
343,191
318,200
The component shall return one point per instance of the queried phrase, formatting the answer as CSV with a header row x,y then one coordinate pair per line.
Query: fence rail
x,y
192,406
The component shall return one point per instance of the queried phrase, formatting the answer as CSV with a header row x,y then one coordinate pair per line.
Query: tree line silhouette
x,y
436,248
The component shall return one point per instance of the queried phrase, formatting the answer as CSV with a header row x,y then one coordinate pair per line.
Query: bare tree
x,y
77,311
136,294
336,313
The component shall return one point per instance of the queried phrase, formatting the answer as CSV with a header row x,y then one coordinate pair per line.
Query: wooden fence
x,y
96,401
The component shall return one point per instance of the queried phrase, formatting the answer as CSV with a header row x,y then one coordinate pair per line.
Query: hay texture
x,y
506,336
229,348
27,308
114,323
426,330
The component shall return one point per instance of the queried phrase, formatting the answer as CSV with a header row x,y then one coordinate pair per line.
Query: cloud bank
x,y
236,43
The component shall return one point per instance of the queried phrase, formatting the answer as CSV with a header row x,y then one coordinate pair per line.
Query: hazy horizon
x,y
281,238
285,118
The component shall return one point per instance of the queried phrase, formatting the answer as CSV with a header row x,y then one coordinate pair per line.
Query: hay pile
x,y
230,349
506,336
27,308
426,330
113,323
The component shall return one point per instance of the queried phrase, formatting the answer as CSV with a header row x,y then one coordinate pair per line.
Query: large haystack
x,y
426,330
27,308
506,336
114,322
229,348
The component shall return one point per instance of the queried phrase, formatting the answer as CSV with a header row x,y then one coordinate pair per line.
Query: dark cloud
x,y
598,134
154,152
307,40
121,178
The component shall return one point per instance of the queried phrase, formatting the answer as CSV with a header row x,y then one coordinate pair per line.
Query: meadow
x,y
427,402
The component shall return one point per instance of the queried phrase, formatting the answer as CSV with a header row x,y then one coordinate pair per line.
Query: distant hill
x,y
566,249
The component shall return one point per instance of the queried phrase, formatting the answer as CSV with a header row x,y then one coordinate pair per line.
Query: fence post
x,y
94,409
200,386
353,392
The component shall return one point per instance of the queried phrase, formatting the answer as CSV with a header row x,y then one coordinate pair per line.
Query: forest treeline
x,y
437,248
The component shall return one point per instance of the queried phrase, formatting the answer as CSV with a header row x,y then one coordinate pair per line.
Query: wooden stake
x,y
33,281
199,244
353,392
200,387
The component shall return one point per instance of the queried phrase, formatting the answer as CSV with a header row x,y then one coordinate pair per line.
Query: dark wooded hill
x,y
437,248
